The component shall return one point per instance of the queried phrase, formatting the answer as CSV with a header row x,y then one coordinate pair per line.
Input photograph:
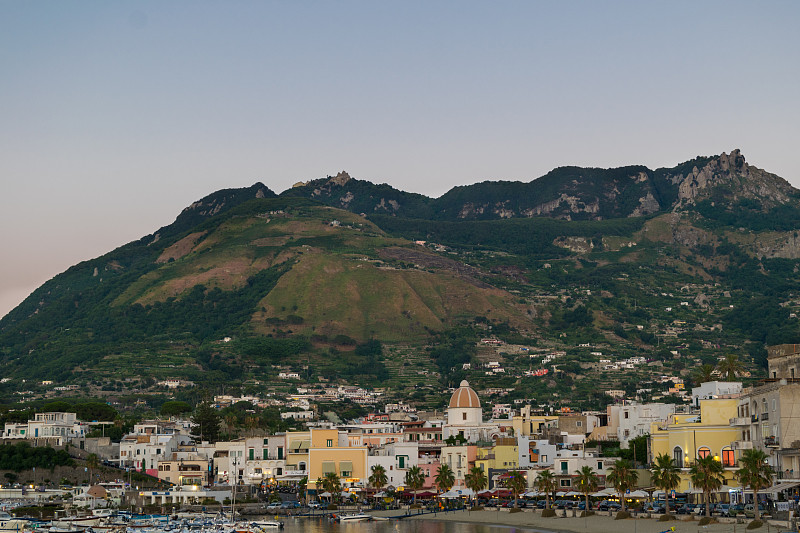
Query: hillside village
x,y
719,419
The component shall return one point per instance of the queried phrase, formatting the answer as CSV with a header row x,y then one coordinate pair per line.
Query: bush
x,y
622,515
548,512
584,514
706,520
515,510
755,524
666,518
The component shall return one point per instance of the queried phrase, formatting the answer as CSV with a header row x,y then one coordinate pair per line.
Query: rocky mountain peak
x,y
729,177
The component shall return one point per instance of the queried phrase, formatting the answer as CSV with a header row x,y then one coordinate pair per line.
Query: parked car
x,y
582,506
734,510
686,508
290,504
722,509
314,505
749,510
274,506
541,504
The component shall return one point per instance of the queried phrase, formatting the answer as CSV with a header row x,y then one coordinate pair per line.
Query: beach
x,y
592,524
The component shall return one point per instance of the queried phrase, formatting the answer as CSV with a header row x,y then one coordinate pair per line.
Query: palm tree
x,y
623,476
92,462
445,477
666,475
754,471
378,477
414,480
730,366
476,479
588,481
517,483
545,482
703,374
331,483
707,474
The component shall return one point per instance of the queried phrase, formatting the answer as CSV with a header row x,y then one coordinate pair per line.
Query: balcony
x,y
743,445
754,418
771,442
764,416
740,421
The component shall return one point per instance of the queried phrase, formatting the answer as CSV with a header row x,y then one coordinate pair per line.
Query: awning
x,y
780,487
346,466
457,493
328,467
302,445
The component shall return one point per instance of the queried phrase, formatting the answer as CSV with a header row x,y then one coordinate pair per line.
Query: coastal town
x,y
722,421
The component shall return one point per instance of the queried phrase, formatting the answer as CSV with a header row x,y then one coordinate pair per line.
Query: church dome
x,y
464,397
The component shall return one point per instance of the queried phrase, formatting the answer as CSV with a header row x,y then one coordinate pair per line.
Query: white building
x,y
634,420
61,427
465,416
716,389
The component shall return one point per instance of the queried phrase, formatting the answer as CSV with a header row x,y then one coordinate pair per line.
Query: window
x,y
579,423
251,454
279,471
728,457
599,465
774,405
463,416
401,461
627,414
280,452
266,442
564,466
703,452
544,459
677,456
329,443
565,482
265,453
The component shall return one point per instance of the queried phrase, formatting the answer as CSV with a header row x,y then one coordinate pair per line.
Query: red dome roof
x,y
463,397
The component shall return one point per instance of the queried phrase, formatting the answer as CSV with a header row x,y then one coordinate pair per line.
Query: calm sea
x,y
297,525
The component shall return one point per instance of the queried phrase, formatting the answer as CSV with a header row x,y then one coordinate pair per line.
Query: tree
x,y
588,480
707,474
206,422
755,472
703,374
175,408
545,482
476,479
414,480
623,476
92,462
331,483
517,483
378,477
666,475
730,366
445,478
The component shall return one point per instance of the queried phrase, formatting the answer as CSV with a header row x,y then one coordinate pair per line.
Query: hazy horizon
x,y
115,116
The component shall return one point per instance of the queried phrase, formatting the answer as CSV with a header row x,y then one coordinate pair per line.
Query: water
x,y
311,525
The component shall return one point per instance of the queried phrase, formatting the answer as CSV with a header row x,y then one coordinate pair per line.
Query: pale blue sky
x,y
116,115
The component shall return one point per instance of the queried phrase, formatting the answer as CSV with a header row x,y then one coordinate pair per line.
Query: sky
x,y
114,116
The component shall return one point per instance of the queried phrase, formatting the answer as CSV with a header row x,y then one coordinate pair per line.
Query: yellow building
x,y
297,445
330,451
504,455
527,424
687,437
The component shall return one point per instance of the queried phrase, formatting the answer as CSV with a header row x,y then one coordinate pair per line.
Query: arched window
x,y
728,457
301,465
703,452
677,456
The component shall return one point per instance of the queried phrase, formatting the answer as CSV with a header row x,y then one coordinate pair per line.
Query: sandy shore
x,y
592,524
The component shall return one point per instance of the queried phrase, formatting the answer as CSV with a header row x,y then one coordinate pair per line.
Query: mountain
x,y
339,278
571,193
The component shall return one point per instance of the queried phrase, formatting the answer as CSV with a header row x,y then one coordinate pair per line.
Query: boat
x,y
352,517
10,523
268,524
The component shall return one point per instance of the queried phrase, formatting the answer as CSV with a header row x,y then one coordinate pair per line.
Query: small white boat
x,y
268,524
352,517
